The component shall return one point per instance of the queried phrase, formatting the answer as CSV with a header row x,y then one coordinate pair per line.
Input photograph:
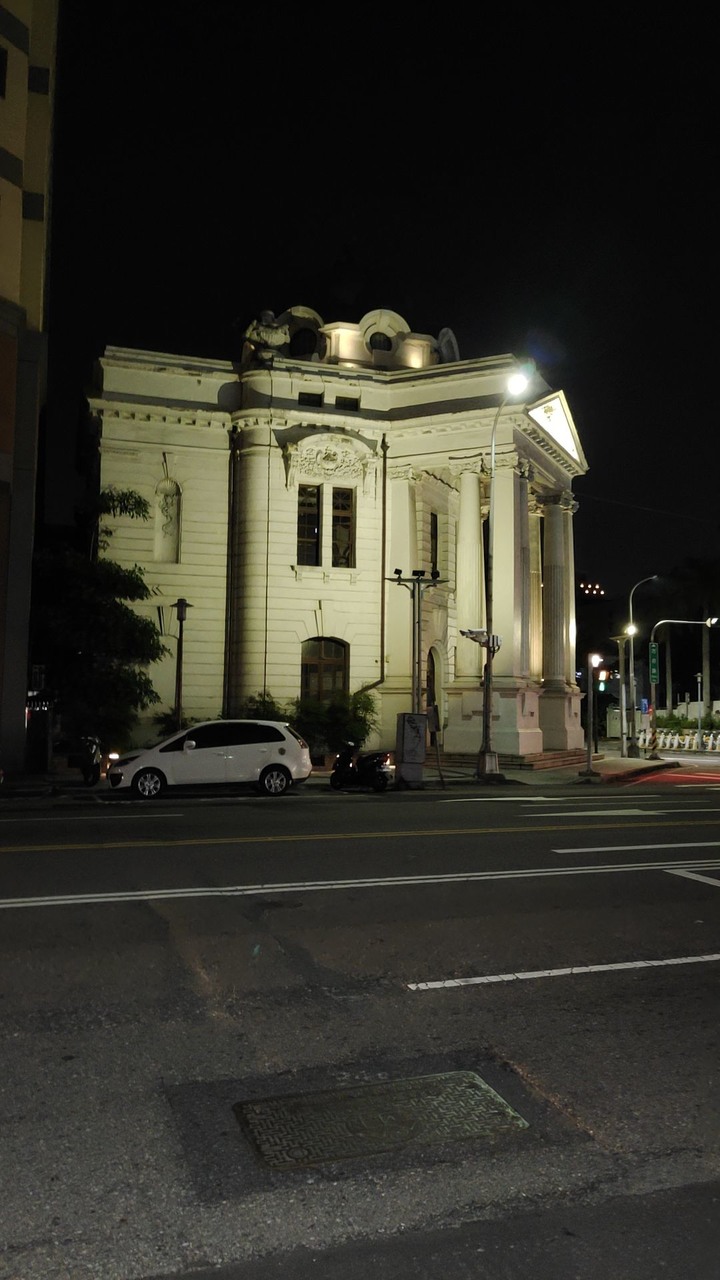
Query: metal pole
x,y
621,641
487,759
418,669
588,772
413,590
590,727
699,709
182,606
633,748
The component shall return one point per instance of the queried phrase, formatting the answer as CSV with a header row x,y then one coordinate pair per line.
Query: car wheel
x,y
380,783
148,784
274,781
335,781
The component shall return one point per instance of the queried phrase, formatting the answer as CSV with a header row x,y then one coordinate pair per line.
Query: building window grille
x,y
308,524
313,399
350,404
343,528
324,669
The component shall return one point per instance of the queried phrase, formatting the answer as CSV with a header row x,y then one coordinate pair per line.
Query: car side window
x,y
176,745
252,732
209,735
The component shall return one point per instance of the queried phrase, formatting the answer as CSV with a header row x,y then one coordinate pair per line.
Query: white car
x,y
266,753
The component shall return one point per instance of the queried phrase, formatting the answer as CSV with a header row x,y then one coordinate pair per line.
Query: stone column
x,y
554,596
524,538
560,699
569,507
536,589
248,621
506,566
403,555
470,574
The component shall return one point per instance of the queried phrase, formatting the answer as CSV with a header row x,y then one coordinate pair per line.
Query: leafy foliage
x,y
262,706
92,644
328,725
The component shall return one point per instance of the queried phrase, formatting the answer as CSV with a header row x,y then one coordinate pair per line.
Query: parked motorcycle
x,y
360,769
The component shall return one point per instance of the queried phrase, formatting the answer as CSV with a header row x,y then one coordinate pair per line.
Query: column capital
x,y
565,500
467,466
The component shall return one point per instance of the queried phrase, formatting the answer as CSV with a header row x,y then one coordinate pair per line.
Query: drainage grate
x,y
338,1124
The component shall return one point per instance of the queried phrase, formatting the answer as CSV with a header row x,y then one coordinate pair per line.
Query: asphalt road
x,y
163,963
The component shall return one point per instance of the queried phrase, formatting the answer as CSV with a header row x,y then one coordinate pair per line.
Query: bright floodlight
x,y
631,630
710,622
517,383
596,659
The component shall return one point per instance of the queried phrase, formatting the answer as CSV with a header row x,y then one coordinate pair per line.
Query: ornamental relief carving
x,y
326,460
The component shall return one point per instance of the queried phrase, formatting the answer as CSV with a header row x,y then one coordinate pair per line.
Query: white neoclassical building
x,y
288,489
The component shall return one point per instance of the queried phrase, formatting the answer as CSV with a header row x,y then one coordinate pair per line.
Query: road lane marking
x,y
500,800
617,813
88,817
626,848
319,886
571,970
295,837
692,875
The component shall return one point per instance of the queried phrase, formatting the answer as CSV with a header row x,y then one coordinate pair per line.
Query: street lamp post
x,y
594,660
698,677
182,606
633,748
678,622
417,585
621,641
487,763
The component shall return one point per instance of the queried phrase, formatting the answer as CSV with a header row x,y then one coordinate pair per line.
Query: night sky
x,y
541,189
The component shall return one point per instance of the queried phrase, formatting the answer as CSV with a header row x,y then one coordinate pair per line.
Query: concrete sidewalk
x,y
607,766
67,786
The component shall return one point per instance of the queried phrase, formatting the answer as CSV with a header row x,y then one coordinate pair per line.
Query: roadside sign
x,y
654,663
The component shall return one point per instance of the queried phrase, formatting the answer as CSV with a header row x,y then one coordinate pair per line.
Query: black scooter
x,y
362,769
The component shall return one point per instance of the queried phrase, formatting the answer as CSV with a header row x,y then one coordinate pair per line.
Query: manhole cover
x,y
338,1124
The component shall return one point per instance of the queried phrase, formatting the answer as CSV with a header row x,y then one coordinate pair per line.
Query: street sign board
x,y
654,663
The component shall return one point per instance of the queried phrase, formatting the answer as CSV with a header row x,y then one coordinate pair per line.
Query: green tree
x,y
95,649
328,725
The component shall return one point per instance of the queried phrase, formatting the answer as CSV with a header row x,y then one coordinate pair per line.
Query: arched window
x,y
167,521
324,669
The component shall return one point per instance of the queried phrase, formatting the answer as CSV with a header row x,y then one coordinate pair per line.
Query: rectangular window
x,y
350,404
3,70
433,540
312,398
308,524
343,528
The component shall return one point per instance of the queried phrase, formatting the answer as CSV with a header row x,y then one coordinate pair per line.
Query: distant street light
x,y
487,764
631,630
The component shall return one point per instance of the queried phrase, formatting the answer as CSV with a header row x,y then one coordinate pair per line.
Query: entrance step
x,y
535,760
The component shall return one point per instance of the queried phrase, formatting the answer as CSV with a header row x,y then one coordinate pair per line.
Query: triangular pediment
x,y
552,415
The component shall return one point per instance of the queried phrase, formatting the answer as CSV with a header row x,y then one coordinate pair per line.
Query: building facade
x,y
27,66
292,492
